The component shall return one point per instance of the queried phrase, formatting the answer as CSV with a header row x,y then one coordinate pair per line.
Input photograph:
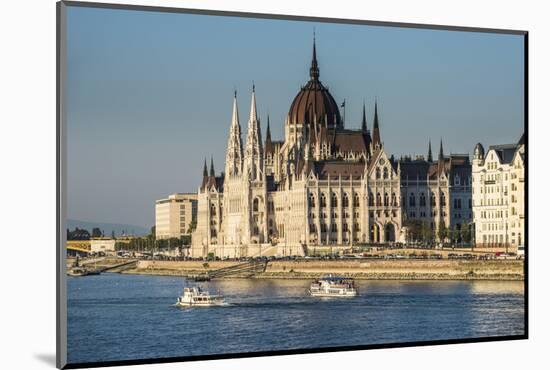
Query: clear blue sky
x,y
150,94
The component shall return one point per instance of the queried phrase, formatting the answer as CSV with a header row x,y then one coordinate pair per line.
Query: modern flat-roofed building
x,y
174,215
498,195
105,245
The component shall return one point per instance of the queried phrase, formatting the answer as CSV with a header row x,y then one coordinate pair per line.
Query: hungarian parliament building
x,y
323,186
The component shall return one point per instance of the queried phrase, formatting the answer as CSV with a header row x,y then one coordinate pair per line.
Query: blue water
x,y
123,317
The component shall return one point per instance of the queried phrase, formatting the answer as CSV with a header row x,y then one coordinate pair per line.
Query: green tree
x,y
442,232
96,232
466,233
192,226
185,240
456,234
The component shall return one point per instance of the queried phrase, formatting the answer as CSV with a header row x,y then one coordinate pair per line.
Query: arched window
x,y
385,172
393,200
377,173
432,199
386,199
255,205
356,200
334,228
311,200
378,199
212,209
323,228
442,200
323,200
345,201
334,200
422,200
412,200
371,199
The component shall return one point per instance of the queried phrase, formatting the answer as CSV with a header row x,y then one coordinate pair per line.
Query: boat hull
x,y
200,304
333,295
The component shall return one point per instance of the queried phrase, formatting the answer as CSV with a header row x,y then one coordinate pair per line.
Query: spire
x,y
314,69
376,128
235,116
441,150
253,155
234,154
212,173
364,120
430,157
204,170
268,132
253,113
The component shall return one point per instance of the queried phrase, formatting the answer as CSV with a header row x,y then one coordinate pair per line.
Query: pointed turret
x,y
376,129
268,131
205,177
268,144
364,120
430,157
314,69
253,155
234,154
440,157
212,172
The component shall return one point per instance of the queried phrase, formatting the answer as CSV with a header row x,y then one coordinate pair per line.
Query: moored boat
x,y
196,297
333,286
82,271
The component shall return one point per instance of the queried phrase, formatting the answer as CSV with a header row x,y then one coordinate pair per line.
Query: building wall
x,y
498,199
174,215
102,245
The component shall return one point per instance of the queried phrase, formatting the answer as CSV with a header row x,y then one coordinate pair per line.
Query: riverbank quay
x,y
357,269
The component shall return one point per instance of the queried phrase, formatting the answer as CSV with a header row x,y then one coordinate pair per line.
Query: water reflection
x,y
114,317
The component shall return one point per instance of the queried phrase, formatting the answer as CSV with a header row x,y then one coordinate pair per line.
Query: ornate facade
x,y
323,186
438,192
498,194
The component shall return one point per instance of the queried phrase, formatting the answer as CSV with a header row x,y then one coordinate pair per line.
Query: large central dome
x,y
314,104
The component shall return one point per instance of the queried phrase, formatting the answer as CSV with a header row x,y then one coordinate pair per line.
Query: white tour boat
x,y
333,286
196,297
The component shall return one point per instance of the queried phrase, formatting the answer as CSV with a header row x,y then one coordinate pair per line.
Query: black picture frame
x,y
61,296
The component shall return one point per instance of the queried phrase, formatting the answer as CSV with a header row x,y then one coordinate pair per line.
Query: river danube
x,y
124,317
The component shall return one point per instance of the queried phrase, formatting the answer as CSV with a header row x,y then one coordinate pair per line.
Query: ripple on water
x,y
118,317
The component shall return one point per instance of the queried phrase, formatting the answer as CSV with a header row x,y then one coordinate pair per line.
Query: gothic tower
x,y
234,155
253,154
233,183
254,181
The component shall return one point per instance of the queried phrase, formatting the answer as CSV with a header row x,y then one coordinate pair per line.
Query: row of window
x,y
334,215
333,228
333,200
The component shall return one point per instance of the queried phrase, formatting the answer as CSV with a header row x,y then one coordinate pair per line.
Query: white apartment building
x,y
498,195
174,215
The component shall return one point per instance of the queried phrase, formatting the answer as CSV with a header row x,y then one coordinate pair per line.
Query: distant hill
x,y
107,228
